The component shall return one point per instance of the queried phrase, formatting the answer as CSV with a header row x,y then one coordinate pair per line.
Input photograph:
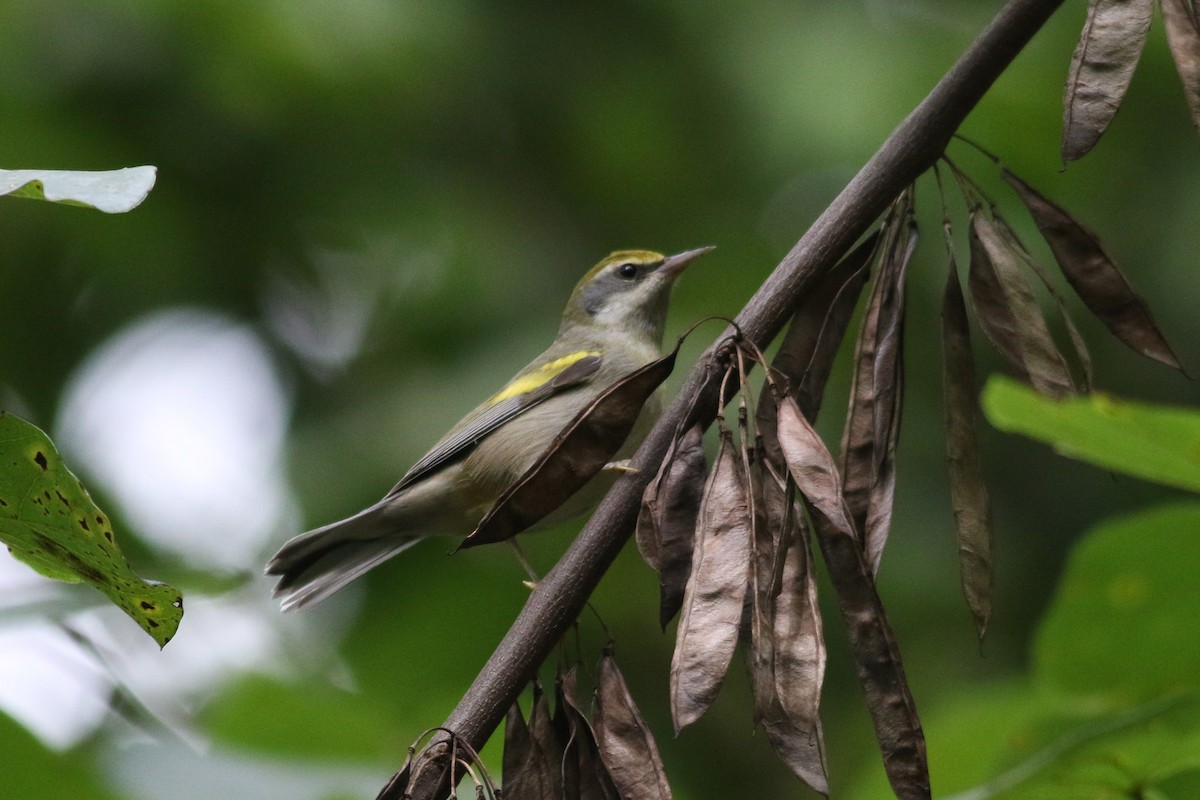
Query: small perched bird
x,y
613,325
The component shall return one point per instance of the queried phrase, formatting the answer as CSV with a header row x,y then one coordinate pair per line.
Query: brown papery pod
x,y
1101,69
1042,362
967,488
858,436
594,781
811,466
805,356
991,305
880,670
516,754
1082,355
1094,276
873,389
888,403
803,750
766,536
626,746
575,456
645,533
565,734
1183,37
670,506
716,590
799,637
544,768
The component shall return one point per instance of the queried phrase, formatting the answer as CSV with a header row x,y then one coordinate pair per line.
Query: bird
x,y
613,324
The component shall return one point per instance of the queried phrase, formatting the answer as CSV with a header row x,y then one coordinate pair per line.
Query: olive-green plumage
x,y
612,325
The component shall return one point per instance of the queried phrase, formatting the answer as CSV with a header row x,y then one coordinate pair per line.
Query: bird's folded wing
x,y
522,394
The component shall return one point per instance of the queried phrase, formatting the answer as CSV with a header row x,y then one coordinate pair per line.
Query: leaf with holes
x,y
49,521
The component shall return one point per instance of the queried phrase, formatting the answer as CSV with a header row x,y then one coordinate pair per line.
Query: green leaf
x,y
112,191
48,521
1156,443
1126,620
1116,757
33,770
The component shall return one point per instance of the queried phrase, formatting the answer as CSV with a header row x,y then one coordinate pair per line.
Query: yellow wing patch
x,y
544,373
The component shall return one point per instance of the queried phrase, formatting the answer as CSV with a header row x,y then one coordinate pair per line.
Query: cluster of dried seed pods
x,y
745,577
1107,54
1001,295
773,485
613,757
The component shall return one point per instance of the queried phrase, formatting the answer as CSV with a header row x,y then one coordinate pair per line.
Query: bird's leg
x,y
622,466
519,552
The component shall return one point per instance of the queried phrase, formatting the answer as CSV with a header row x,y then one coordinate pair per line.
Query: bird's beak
x,y
673,265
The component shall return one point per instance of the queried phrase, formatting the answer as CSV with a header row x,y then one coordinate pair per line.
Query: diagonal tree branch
x,y
911,150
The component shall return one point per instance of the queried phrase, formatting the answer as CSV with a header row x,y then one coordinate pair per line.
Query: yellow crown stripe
x,y
540,376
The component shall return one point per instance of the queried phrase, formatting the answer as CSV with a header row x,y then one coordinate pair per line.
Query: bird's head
x,y
628,291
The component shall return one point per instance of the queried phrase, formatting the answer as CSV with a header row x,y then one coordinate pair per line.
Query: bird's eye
x,y
627,271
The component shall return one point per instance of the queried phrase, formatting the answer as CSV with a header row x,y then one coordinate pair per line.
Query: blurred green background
x,y
368,215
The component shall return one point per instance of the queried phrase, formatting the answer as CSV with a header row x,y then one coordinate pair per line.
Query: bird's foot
x,y
523,560
622,466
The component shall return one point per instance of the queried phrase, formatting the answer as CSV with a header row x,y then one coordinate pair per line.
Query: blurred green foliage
x,y
1111,708
459,164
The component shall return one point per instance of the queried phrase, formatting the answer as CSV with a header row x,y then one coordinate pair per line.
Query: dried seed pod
x,y
542,774
715,593
876,655
667,522
626,745
1009,313
799,636
967,489
1183,37
802,749
887,401
516,754
594,780
1094,276
876,392
1101,69
766,536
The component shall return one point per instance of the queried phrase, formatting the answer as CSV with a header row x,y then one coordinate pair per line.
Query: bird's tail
x,y
316,564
